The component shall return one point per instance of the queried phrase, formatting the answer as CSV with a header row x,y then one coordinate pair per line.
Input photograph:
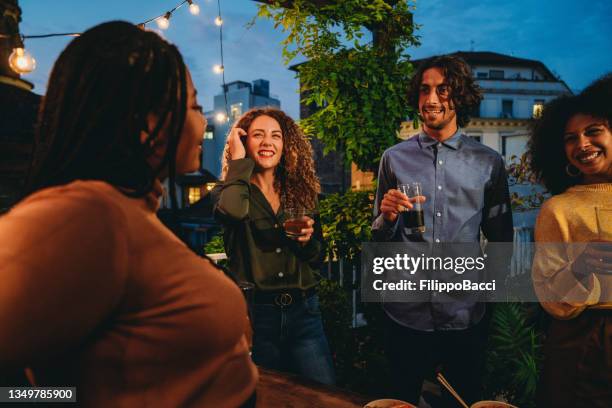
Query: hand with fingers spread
x,y
236,144
394,202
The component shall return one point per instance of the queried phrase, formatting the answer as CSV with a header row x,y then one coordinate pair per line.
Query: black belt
x,y
282,298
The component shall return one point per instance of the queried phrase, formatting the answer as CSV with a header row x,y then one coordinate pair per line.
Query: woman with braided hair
x,y
96,292
267,168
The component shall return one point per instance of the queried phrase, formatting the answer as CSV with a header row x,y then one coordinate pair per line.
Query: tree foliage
x,y
346,221
357,72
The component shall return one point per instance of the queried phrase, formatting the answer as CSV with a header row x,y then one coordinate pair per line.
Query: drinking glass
x,y
295,220
413,219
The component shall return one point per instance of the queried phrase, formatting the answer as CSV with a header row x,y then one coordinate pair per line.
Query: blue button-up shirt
x,y
466,189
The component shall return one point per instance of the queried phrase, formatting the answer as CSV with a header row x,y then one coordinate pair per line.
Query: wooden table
x,y
283,390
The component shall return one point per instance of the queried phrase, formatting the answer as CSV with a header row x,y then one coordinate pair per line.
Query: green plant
x,y
346,221
216,246
514,354
357,71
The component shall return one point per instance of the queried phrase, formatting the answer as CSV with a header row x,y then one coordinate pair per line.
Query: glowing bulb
x,y
22,61
217,69
218,21
220,117
194,9
163,22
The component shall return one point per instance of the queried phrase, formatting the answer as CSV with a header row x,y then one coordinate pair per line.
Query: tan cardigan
x,y
570,218
96,293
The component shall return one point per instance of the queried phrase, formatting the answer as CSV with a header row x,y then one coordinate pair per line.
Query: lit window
x,y
538,106
210,186
208,135
236,110
194,194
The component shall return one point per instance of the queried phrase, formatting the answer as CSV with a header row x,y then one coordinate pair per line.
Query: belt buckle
x,y
284,299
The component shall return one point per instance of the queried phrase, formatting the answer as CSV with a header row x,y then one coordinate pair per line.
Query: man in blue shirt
x,y
466,191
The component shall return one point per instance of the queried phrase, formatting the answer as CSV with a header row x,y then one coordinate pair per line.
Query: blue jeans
x,y
292,339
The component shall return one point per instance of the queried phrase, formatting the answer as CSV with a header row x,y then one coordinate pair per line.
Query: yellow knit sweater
x,y
565,224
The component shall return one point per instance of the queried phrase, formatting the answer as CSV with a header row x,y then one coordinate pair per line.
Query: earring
x,y
569,172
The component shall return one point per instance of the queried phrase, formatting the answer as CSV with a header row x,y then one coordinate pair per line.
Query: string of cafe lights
x,y
22,62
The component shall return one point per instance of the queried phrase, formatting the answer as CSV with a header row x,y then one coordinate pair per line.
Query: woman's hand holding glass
x,y
298,224
305,233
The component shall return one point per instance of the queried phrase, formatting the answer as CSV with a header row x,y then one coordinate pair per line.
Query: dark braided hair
x,y
465,93
102,90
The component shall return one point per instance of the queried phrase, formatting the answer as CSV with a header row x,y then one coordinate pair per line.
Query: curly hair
x,y
464,91
294,177
546,149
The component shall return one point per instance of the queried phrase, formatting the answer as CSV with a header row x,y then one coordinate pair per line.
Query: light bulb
x,y
194,9
163,22
217,69
218,21
220,117
22,61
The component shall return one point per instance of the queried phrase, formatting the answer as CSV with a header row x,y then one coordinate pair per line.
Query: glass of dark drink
x,y
413,219
295,220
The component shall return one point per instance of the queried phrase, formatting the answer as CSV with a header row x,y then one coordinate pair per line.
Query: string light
x,y
21,61
193,8
221,117
164,22
221,67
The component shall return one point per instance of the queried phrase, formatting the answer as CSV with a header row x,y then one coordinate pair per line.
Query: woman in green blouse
x,y
267,168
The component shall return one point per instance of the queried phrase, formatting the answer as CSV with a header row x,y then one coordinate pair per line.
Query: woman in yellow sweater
x,y
96,293
571,152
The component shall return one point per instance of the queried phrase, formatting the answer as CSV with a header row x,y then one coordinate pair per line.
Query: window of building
x,y
482,75
235,110
194,194
506,108
496,74
209,135
538,106
210,186
513,146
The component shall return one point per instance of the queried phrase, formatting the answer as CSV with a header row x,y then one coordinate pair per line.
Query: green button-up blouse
x,y
255,242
